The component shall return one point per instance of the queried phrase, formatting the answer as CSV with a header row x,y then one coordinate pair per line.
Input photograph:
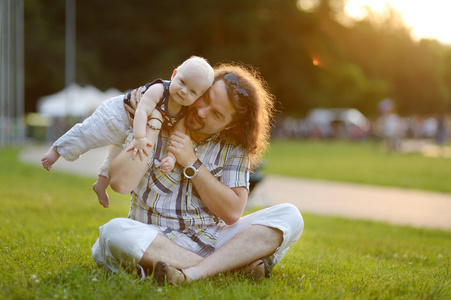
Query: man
x,y
187,224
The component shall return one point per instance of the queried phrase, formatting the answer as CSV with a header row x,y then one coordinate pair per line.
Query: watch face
x,y
190,172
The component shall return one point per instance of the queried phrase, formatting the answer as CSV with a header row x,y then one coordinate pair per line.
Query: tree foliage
x,y
309,59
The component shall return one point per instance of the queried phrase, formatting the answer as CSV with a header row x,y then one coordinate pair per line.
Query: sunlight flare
x,y
425,19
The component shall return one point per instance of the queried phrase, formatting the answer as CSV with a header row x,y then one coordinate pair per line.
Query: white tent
x,y
74,101
324,116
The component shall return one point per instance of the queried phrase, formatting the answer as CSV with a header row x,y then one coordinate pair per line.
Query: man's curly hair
x,y
253,119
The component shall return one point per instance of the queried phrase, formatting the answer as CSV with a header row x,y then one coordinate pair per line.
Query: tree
x,y
309,59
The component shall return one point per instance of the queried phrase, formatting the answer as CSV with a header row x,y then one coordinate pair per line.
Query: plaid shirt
x,y
171,202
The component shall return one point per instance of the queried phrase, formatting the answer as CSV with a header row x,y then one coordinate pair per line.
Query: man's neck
x,y
199,137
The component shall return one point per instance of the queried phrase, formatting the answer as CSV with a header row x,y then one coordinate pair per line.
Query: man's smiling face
x,y
211,113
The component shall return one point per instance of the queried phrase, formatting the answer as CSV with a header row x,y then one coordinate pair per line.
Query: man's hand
x,y
139,146
181,146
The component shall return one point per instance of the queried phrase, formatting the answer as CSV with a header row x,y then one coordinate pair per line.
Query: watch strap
x,y
193,168
197,164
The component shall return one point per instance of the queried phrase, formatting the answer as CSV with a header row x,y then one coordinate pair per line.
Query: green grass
x,y
358,162
49,222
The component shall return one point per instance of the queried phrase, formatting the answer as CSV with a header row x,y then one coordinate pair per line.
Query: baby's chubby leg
x,y
50,157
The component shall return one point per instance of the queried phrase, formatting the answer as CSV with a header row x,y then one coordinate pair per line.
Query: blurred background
x,y
339,69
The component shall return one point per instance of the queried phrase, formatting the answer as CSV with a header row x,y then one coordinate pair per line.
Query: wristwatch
x,y
191,170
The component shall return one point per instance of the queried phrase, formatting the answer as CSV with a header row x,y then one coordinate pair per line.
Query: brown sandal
x,y
258,269
166,273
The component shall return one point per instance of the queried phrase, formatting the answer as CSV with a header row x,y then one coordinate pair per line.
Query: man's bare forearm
x,y
227,203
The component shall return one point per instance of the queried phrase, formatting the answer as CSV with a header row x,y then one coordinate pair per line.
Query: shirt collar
x,y
214,137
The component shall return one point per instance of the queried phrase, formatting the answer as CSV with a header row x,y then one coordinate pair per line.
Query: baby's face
x,y
188,85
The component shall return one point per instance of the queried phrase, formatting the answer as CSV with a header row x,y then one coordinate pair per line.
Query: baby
x,y
162,101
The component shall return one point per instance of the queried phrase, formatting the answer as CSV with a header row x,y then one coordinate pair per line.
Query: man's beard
x,y
191,124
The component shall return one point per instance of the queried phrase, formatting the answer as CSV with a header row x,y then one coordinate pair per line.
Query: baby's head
x,y
199,67
191,80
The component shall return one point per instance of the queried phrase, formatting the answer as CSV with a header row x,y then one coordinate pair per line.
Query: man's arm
x,y
226,203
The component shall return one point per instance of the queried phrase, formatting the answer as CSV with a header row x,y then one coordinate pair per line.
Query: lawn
x,y
50,220
358,162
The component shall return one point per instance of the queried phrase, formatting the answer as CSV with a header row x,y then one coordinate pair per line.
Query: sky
x,y
425,18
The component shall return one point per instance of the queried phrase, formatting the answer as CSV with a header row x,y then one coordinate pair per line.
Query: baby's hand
x,y
167,164
139,146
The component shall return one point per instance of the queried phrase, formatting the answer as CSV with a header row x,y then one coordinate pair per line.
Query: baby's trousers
x,y
107,126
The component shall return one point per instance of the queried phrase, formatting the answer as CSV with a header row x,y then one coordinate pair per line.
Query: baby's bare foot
x,y
167,164
102,195
50,157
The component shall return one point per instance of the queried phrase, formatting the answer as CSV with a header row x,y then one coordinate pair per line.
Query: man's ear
x,y
173,74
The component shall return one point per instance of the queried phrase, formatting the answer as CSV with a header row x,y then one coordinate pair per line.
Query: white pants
x,y
107,126
122,242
